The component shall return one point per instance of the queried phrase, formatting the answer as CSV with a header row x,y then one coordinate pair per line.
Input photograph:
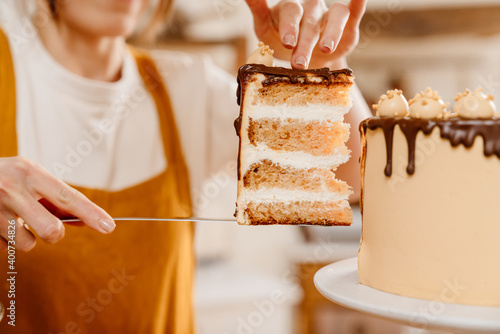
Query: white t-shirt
x,y
106,135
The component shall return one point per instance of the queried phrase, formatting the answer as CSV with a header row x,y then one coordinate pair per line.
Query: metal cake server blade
x,y
189,219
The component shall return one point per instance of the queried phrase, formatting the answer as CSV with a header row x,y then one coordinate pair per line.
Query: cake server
x,y
189,219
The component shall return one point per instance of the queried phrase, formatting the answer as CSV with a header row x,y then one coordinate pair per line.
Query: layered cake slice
x,y
292,138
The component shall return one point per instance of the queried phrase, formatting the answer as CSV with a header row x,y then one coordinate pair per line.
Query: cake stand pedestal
x,y
339,283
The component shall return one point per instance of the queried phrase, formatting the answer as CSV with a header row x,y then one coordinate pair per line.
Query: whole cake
x,y
430,199
292,138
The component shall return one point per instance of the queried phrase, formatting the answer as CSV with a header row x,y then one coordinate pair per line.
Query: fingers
x,y
24,239
3,244
357,10
290,14
309,29
260,11
22,184
55,191
337,18
61,214
48,227
309,33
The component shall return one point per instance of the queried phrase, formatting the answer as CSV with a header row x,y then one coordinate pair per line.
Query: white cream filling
x,y
251,154
309,112
286,195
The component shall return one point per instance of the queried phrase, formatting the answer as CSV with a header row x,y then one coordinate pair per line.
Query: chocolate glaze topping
x,y
456,130
278,74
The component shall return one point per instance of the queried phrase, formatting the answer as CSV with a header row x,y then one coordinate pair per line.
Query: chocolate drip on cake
x,y
410,128
456,130
387,125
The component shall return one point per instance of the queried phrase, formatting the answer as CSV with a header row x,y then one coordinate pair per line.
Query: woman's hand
x,y
30,194
309,34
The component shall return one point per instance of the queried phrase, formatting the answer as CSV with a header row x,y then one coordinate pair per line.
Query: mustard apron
x,y
137,279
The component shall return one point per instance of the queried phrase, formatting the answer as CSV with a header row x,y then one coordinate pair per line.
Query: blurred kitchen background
x,y
259,280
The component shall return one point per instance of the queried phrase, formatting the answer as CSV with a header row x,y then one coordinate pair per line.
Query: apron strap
x,y
170,135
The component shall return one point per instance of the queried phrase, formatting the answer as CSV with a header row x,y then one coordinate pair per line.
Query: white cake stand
x,y
339,283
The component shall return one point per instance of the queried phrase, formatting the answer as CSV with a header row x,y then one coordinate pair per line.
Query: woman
x,y
81,108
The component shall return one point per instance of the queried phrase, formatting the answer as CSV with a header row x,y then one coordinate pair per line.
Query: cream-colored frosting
x,y
297,159
474,105
427,105
309,112
434,234
393,104
287,195
263,55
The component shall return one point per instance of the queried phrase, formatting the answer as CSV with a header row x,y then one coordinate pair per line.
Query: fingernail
x,y
301,60
328,44
107,225
290,40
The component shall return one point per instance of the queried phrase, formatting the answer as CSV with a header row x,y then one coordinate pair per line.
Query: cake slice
x,y
292,138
